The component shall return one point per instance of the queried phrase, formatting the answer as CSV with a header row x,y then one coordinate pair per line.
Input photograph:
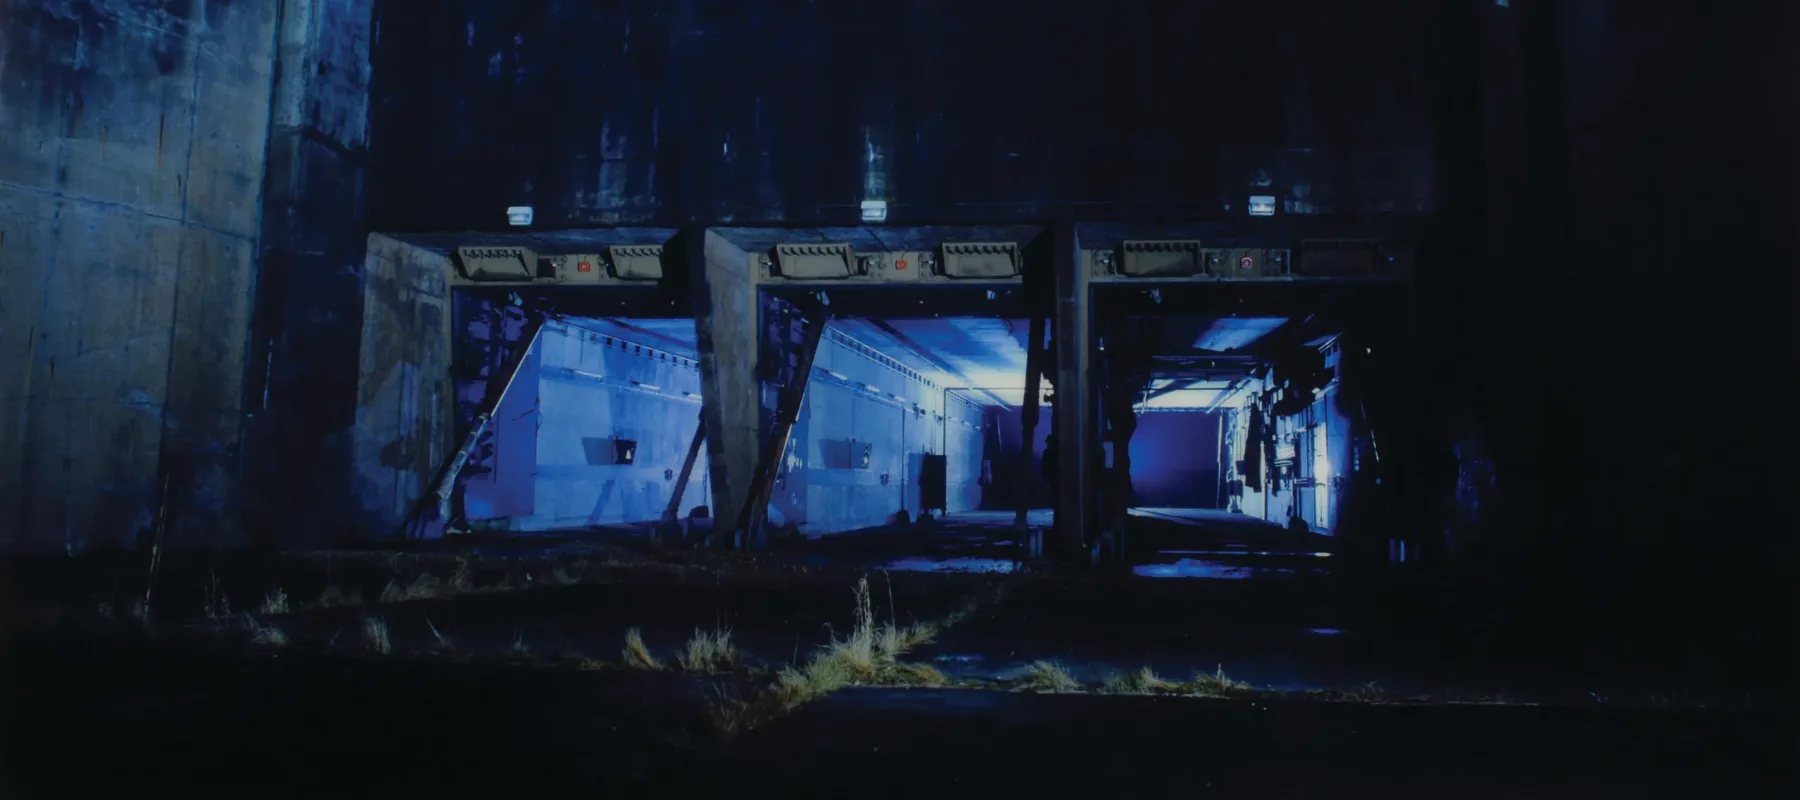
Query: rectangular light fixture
x,y
1262,205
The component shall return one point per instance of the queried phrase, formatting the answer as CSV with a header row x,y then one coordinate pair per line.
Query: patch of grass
x,y
218,606
334,597
914,674
424,587
1048,677
519,648
375,635
275,602
867,655
1216,684
710,652
268,636
1142,681
1367,693
462,579
636,655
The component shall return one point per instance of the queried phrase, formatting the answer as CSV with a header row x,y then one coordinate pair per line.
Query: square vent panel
x,y
1169,259
981,260
637,262
815,261
497,263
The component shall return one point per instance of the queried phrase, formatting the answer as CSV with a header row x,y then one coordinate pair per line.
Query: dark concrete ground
x,y
87,717
194,707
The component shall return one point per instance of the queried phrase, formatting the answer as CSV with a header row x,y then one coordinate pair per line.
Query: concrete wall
x,y
582,390
826,488
130,186
746,112
309,298
406,424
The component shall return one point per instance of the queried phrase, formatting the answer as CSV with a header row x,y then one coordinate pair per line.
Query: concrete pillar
x,y
1077,434
725,321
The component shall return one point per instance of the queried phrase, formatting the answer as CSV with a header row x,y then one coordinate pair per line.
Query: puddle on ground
x,y
1324,631
949,565
1201,568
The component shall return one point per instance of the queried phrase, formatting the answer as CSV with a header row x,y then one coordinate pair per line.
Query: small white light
x,y
839,375
872,387
518,216
874,211
1262,205
650,386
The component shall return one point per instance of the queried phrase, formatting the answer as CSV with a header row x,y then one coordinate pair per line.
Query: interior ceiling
x,y
987,355
673,335
981,353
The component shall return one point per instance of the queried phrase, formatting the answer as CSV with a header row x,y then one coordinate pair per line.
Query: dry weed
x,y
636,655
1048,677
375,635
275,602
710,652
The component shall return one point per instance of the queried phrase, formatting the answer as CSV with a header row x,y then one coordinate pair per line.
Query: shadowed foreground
x,y
85,715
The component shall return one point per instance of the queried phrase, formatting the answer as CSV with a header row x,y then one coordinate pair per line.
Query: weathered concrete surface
x,y
725,321
309,292
406,400
1002,110
130,182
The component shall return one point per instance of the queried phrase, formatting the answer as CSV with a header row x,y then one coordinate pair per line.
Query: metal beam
x,y
1034,375
755,512
687,468
1078,437
498,385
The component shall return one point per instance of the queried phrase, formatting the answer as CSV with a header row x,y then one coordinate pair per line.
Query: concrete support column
x,y
1078,436
725,321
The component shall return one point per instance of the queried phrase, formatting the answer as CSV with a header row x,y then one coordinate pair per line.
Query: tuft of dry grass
x,y
914,674
462,579
443,642
268,636
375,635
275,602
519,648
425,587
1367,693
710,652
868,655
1048,677
218,606
636,655
1142,681
334,597
1216,684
